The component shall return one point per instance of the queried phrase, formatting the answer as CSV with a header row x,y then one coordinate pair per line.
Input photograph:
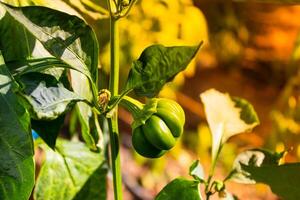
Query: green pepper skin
x,y
158,134
143,147
160,131
172,114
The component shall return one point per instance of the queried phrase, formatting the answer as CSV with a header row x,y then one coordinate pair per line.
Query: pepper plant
x,y
49,66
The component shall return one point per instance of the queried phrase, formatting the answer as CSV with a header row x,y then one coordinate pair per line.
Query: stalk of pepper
x,y
156,126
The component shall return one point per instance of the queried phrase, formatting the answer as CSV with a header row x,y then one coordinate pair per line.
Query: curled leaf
x,y
227,116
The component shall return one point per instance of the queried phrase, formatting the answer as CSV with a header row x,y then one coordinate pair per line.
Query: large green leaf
x,y
284,180
9,31
64,36
180,188
253,157
156,66
85,114
261,166
70,172
48,98
46,65
16,158
28,45
90,190
46,94
227,117
49,33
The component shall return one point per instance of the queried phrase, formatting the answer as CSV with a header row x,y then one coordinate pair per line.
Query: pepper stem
x,y
133,106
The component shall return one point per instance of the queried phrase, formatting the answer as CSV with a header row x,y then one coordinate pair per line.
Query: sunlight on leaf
x,y
196,171
47,97
227,117
69,171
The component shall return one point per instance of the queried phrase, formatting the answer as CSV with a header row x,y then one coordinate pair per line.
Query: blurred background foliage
x,y
252,50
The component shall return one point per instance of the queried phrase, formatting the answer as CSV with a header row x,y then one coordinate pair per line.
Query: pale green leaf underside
x,y
68,171
84,112
196,170
48,97
227,116
16,157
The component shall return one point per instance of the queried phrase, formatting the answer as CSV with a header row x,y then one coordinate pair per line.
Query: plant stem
x,y
209,185
113,121
208,196
132,105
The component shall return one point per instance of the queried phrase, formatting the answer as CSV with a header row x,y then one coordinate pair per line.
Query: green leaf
x,y
156,66
28,46
180,189
69,172
48,98
17,182
247,113
227,117
196,171
9,31
48,130
64,36
47,65
16,158
85,114
91,189
261,166
63,99
253,157
284,180
50,33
